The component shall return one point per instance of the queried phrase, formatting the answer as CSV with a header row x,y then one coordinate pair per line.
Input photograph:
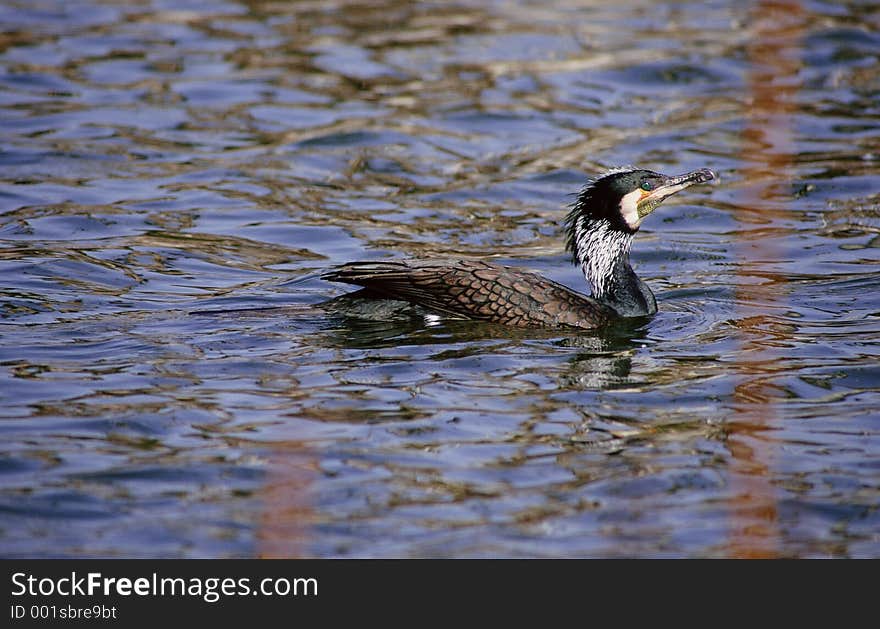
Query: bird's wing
x,y
477,290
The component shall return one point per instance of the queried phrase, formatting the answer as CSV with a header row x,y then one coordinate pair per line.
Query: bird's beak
x,y
650,200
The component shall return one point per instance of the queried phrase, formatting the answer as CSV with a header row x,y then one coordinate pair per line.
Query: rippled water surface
x,y
163,159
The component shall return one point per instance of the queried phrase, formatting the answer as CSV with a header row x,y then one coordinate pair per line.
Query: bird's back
x,y
475,290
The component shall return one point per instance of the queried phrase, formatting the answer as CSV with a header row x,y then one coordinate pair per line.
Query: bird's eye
x,y
647,186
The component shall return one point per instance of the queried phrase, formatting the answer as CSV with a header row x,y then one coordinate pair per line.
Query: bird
x,y
599,230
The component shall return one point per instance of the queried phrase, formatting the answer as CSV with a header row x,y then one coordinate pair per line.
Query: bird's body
x,y
600,229
466,289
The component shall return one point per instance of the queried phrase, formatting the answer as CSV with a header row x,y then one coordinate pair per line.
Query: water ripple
x,y
172,177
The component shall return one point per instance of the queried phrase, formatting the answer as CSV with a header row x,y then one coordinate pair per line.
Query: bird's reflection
x,y
602,358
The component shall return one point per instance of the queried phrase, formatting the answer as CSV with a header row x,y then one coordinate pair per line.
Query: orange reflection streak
x,y
287,513
774,51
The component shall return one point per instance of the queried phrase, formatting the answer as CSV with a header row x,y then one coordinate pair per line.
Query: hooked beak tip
x,y
704,175
676,184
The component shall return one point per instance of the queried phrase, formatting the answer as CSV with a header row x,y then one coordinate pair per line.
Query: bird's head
x,y
608,212
623,197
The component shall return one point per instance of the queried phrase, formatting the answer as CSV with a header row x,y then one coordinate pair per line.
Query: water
x,y
162,159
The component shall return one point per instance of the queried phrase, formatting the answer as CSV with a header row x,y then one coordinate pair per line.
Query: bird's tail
x,y
364,273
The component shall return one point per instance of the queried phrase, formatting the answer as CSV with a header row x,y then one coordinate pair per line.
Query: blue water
x,y
160,159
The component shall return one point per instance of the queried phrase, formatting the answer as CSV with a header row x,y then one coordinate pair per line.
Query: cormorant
x,y
599,232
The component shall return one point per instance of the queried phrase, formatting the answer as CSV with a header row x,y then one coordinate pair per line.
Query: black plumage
x,y
599,231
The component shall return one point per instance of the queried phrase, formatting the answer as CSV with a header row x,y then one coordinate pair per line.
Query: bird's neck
x,y
603,254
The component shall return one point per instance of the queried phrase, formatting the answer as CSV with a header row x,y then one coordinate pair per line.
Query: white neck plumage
x,y
599,249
